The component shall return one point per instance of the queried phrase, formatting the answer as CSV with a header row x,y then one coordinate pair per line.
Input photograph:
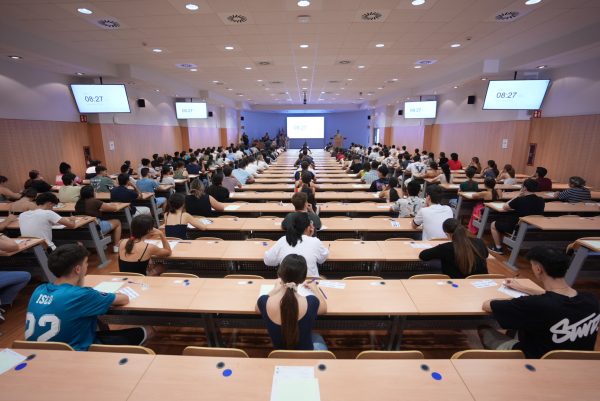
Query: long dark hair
x,y
175,202
306,178
30,193
494,167
33,174
293,269
300,222
393,183
140,226
165,170
86,192
310,197
489,182
470,173
446,171
465,252
217,182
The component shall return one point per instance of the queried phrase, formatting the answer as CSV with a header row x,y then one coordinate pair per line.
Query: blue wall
x,y
352,125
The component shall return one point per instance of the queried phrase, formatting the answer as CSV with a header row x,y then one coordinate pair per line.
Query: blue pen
x,y
133,282
316,278
322,293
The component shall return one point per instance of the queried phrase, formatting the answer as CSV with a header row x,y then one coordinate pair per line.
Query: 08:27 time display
x,y
506,95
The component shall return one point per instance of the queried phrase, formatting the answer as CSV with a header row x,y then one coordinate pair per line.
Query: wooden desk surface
x,y
337,207
25,243
347,251
267,187
562,187
164,293
564,223
553,207
247,195
227,223
104,196
199,250
241,207
344,224
432,298
375,207
263,224
385,224
362,195
78,223
403,250
46,376
342,187
514,194
497,379
456,187
248,250
592,244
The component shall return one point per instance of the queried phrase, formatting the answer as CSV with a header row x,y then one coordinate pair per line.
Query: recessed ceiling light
x,y
131,83
228,47
529,2
379,45
455,87
304,88
435,93
305,79
418,2
541,66
84,11
337,94
381,87
15,57
304,66
158,90
229,89
248,68
240,95
79,73
176,95
368,94
361,66
417,66
304,46
395,79
483,79
304,3
193,69
267,89
342,88
259,80
215,81
349,79
455,45
192,7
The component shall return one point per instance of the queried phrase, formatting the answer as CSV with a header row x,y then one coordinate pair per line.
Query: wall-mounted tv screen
x,y
101,98
420,109
186,110
515,94
306,127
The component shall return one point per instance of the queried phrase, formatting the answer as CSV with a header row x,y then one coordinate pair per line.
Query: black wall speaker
x,y
471,100
242,118
142,102
399,112
210,114
368,117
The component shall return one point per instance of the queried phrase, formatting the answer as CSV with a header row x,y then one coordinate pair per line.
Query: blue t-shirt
x,y
298,174
66,313
241,175
231,156
146,185
124,195
193,168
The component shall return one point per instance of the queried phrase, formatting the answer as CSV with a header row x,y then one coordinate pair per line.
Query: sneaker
x,y
115,249
2,319
499,250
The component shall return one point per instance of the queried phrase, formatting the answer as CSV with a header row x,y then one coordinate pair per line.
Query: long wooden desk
x,y
466,202
587,254
147,200
30,257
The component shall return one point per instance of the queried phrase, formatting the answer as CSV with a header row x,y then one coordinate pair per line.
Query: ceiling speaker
x,y
471,100
142,102
210,113
368,117
242,118
399,112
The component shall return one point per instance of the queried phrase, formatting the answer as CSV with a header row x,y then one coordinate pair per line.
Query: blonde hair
x,y
197,188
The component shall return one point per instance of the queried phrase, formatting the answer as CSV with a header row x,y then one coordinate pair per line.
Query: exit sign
x,y
537,114
83,118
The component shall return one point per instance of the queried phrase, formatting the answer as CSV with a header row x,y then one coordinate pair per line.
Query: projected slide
x,y
306,127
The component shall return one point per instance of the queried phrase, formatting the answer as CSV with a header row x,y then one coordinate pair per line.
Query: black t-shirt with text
x,y
528,205
356,168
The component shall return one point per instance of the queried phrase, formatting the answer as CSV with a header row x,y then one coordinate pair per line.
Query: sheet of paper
x,y
58,227
129,292
420,245
290,373
298,390
232,207
511,292
454,186
323,228
383,207
484,283
395,224
154,242
595,244
497,205
18,241
441,283
171,243
468,193
206,221
376,195
332,284
549,193
302,290
265,289
278,224
357,186
108,286
2,220
239,194
9,359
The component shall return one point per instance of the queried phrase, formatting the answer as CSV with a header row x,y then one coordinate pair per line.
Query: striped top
x,y
575,194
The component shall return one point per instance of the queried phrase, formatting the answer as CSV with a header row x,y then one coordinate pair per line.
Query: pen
x,y
322,293
133,282
316,278
181,242
514,278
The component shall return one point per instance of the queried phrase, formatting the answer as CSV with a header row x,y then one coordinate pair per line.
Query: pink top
x,y
59,181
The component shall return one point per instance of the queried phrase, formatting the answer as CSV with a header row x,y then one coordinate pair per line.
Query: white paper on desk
x,y
351,175
129,292
265,289
516,186
383,207
420,245
206,221
590,204
453,186
171,243
376,195
18,241
332,284
278,224
469,193
232,207
395,224
239,194
152,242
441,283
108,286
323,228
9,359
290,373
549,193
303,291
2,220
58,227
498,205
511,292
484,283
357,186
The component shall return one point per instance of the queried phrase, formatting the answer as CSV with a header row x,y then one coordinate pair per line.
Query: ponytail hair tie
x,y
133,238
291,286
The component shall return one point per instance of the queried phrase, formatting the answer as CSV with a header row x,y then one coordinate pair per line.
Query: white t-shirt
x,y
252,169
311,248
38,223
373,155
416,168
262,164
432,218
442,178
91,170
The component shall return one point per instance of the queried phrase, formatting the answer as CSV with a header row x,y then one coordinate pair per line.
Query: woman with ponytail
x,y
299,240
288,315
507,175
197,203
463,256
490,194
491,170
135,254
88,205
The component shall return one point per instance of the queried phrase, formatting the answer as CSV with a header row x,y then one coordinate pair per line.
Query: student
x,y
145,184
27,202
432,215
445,177
262,164
90,172
241,174
577,192
177,220
340,154
69,192
135,254
217,190
67,312
454,163
146,164
304,166
544,184
300,239
154,161
468,186
301,205
11,282
252,168
490,194
305,182
404,163
409,206
36,181
491,170
390,193
64,168
159,164
199,204
123,194
417,169
475,164
379,184
39,222
443,159
229,182
432,157
555,318
5,193
462,256
180,172
433,171
370,176
366,167
289,316
129,169
388,160
102,182
526,204
356,165
194,168
125,169
166,177
424,157
507,175
88,205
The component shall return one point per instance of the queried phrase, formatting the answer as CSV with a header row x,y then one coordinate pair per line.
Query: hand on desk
x,y
513,284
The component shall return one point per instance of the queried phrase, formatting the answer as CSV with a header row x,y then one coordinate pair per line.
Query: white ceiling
x,y
271,33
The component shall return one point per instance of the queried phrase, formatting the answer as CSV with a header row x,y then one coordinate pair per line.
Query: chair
x,y
125,274
48,345
439,239
227,217
187,275
284,354
259,239
309,278
362,278
269,217
486,276
208,239
400,239
488,354
218,352
579,355
347,239
429,277
124,349
244,277
379,217
390,355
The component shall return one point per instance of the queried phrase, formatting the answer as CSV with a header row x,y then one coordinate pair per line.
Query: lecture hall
x,y
299,200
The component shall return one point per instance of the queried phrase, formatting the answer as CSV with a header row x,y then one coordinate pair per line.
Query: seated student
x,y
39,222
199,204
372,174
526,204
416,168
490,194
445,177
432,215
180,172
304,166
217,190
404,163
159,164
27,202
491,170
252,168
135,254
177,220
468,186
475,164
409,206
64,168
433,171
231,155
129,169
125,195
194,168
229,182
577,192
5,193
241,174
301,205
69,192
507,175
88,205
454,163
463,256
556,318
90,172
366,167
154,162
145,184
356,165
102,182
262,164
11,282
340,154
125,169
425,157
443,159
289,316
299,240
72,309
432,157
390,192
146,164
305,182
36,181
380,183
544,184
166,177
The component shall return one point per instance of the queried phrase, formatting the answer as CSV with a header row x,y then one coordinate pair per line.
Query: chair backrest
x,y
122,349
179,275
285,354
362,278
430,277
208,239
488,354
227,217
390,355
400,239
259,239
219,352
244,277
125,274
439,239
380,217
347,239
48,345
486,276
314,277
580,355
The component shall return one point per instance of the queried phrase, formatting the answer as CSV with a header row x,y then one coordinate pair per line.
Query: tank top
x,y
134,267
176,230
299,189
179,176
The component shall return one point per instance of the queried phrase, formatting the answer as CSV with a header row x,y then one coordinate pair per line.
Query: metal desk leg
x,y
516,244
458,205
42,259
576,264
98,245
424,189
154,210
483,221
127,211
187,188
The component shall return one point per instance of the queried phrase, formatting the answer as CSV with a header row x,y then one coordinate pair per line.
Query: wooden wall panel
x,y
97,147
41,145
519,157
567,146
201,137
386,133
410,136
185,138
427,137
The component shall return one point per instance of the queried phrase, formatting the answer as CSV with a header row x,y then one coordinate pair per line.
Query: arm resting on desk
x,y
8,244
120,300
67,222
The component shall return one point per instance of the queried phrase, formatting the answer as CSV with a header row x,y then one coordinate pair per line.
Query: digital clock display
x,y
101,98
425,109
188,110
515,94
